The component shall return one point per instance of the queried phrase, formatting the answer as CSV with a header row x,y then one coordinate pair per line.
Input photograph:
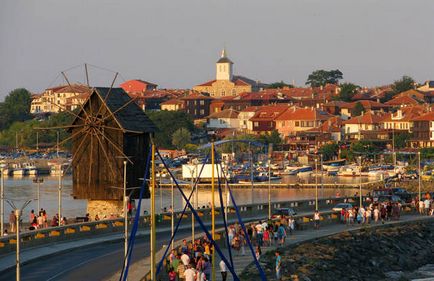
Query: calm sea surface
x,y
21,189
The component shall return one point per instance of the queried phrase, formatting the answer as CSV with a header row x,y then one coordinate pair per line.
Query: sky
x,y
175,44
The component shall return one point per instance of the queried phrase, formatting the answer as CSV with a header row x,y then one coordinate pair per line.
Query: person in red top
x,y
172,274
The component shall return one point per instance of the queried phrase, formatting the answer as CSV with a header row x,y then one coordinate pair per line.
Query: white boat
x,y
301,171
20,172
349,171
333,165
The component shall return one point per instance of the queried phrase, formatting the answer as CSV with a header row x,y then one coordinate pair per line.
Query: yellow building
x,y
226,83
57,99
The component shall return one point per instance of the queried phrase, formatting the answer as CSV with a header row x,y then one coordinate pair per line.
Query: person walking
x,y
223,270
12,221
278,265
427,204
316,219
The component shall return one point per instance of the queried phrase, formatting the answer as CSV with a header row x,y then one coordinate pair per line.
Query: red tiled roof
x,y
408,114
74,88
367,104
197,96
269,112
172,101
250,109
367,118
402,100
426,117
209,83
332,124
304,114
227,113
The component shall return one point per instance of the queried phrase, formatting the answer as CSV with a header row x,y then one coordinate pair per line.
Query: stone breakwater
x,y
380,253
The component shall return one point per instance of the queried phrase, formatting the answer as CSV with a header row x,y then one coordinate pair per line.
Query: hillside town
x,y
305,118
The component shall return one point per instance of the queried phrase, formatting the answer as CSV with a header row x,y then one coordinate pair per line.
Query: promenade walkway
x,y
137,269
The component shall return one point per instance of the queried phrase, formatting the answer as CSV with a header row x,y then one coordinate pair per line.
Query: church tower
x,y
224,67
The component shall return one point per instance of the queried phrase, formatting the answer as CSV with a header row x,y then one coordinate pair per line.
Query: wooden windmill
x,y
108,129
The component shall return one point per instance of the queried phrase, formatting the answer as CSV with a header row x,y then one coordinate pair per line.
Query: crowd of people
x,y
374,212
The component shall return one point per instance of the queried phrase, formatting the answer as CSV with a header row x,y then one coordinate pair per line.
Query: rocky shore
x,y
381,253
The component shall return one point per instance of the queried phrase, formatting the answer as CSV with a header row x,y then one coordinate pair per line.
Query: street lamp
x,y
419,177
172,220
59,193
316,183
18,212
2,200
360,180
38,181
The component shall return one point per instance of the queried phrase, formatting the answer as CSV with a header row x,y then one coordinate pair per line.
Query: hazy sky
x,y
175,43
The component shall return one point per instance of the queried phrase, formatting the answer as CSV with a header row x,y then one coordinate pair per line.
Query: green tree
x,y
181,138
279,85
401,139
404,84
16,107
322,77
329,151
274,137
167,123
358,109
348,90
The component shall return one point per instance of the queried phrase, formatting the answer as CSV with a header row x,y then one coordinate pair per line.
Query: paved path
x,y
136,271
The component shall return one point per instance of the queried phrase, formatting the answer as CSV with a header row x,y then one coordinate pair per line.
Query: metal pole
x,y
37,141
269,188
192,216
213,210
419,176
173,210
2,202
17,215
60,194
360,181
322,176
251,170
39,194
153,221
316,183
125,213
57,150
161,193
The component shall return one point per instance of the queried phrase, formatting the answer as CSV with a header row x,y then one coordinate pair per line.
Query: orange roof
x,y
367,118
269,112
250,109
426,117
367,104
408,114
209,83
193,95
74,88
227,113
332,124
402,100
304,114
171,101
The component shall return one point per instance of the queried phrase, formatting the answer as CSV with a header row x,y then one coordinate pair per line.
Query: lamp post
x,y
18,212
322,175
419,177
125,213
172,215
360,180
316,183
2,201
59,188
38,182
269,181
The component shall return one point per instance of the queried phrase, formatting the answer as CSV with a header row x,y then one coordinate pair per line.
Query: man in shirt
x,y
190,273
278,265
427,205
185,259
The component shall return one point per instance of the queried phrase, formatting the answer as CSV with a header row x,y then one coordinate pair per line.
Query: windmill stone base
x,y
105,209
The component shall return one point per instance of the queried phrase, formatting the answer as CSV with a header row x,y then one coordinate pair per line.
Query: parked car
x,y
278,213
341,206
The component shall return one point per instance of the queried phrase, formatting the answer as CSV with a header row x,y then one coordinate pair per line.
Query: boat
x,y
301,171
19,170
333,165
349,171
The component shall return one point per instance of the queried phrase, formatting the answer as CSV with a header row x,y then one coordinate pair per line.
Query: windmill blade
x,y
91,159
108,93
105,154
81,106
67,110
72,136
76,157
59,127
87,75
120,108
120,129
116,147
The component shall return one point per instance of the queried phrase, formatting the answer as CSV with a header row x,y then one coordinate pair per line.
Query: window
x,y
256,124
297,123
202,112
202,102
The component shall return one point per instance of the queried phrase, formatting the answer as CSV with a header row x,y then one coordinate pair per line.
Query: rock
x,y
394,275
